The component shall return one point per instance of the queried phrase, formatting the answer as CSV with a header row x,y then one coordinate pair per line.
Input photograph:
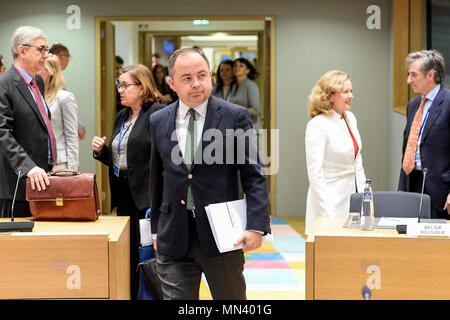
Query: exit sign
x,y
200,22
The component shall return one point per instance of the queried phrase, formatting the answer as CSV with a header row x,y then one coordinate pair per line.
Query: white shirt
x,y
182,122
426,107
430,97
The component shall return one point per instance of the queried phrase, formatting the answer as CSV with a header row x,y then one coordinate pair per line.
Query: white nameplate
x,y
428,229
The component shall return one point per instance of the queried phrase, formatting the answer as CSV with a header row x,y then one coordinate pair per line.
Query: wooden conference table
x,y
341,261
67,260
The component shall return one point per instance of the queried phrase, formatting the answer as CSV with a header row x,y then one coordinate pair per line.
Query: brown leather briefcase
x,y
71,195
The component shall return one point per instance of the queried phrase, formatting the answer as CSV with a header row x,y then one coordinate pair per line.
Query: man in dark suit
x,y
426,139
26,143
181,188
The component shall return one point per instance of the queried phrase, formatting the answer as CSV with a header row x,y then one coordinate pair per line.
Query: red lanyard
x,y
355,144
22,76
29,86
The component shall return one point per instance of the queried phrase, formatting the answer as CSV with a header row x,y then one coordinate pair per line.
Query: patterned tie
x,y
411,146
189,152
38,97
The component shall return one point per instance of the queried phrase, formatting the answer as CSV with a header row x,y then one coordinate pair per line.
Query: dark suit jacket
x,y
434,147
138,156
210,183
23,134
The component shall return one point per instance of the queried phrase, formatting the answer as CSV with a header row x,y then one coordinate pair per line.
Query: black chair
x,y
395,204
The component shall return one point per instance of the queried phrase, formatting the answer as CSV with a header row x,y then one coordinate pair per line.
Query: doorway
x,y
137,39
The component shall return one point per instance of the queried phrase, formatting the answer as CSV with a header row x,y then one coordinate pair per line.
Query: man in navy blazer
x,y
426,75
183,237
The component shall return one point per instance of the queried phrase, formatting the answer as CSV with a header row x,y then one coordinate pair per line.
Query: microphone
x,y
401,229
16,226
14,197
366,293
424,172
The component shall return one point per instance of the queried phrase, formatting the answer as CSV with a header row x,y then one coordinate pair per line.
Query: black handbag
x,y
151,278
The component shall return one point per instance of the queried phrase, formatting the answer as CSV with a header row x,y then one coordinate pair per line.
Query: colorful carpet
x,y
276,271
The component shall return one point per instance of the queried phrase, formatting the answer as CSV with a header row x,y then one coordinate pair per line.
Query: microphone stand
x,y
16,226
366,292
424,172
14,198
401,228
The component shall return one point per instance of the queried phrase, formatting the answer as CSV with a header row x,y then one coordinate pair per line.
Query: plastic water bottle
x,y
367,209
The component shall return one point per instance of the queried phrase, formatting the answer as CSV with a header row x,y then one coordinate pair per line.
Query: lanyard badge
x,y
122,134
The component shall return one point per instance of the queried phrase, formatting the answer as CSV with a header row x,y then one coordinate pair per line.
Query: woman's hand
x,y
98,143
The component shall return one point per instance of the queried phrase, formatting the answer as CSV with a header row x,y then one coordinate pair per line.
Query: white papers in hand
x,y
228,221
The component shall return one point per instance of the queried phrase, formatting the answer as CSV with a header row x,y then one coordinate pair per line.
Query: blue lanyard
x,y
121,136
425,120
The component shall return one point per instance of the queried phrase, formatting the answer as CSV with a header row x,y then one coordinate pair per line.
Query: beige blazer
x,y
64,121
333,171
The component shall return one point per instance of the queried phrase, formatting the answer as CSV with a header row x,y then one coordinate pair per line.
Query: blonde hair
x,y
143,76
320,97
56,81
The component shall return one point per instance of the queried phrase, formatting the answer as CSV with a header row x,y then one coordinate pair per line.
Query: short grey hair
x,y
429,60
174,56
25,35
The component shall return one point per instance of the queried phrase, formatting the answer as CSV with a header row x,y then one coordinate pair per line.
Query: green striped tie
x,y
189,152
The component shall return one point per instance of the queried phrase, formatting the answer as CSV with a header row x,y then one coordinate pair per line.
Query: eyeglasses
x,y
125,85
43,49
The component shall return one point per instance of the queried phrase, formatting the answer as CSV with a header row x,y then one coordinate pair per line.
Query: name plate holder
x,y
428,230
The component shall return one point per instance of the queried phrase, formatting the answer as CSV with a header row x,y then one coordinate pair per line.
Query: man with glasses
x,y
63,54
27,141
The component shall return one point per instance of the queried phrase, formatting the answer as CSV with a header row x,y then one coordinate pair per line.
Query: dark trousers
x,y
127,207
181,277
415,185
21,208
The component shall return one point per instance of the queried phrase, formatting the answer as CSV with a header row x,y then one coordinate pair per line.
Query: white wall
x,y
126,42
397,124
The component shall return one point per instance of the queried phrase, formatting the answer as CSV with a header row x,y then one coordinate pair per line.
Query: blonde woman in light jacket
x,y
64,114
333,149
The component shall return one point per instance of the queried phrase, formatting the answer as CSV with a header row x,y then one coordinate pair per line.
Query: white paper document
x,y
393,221
146,233
228,221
